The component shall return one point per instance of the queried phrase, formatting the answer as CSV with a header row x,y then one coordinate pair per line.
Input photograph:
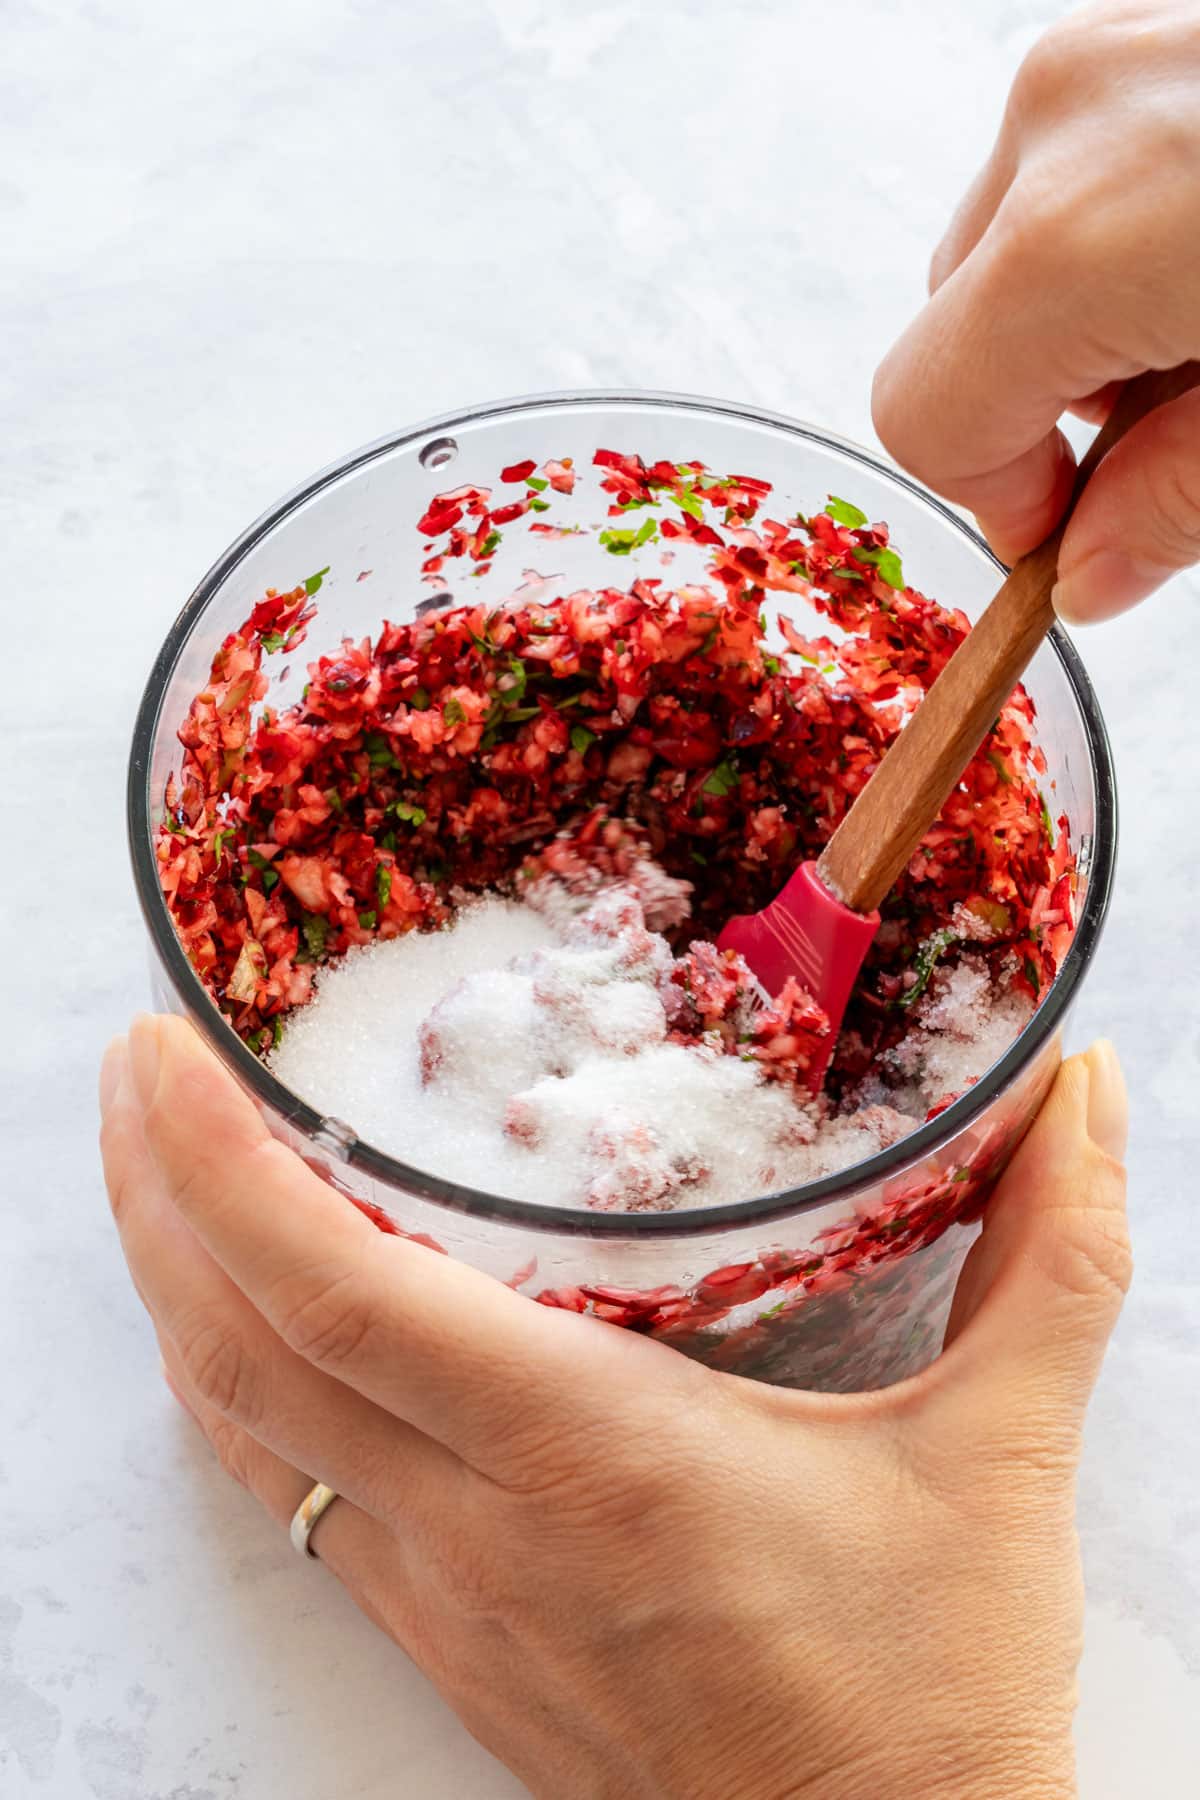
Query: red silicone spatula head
x,y
805,932
821,940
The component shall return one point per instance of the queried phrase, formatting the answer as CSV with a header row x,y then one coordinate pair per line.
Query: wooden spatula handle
x,y
908,790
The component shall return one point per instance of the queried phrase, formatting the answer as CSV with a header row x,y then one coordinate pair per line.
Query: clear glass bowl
x,y
840,1285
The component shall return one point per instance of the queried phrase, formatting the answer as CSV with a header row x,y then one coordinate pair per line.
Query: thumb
x,y
1138,521
1041,1289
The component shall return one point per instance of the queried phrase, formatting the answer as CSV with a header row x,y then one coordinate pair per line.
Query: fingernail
x,y
1108,1105
144,1056
1104,584
111,1069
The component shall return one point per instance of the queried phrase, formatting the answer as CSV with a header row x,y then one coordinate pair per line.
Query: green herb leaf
x,y
491,544
723,779
923,968
515,682
419,699
539,506
272,640
367,920
412,815
221,838
313,583
886,563
842,512
315,931
1047,821
621,543
454,712
276,1032
379,751
997,762
771,664
388,841
688,503
581,738
538,483
1031,975
383,884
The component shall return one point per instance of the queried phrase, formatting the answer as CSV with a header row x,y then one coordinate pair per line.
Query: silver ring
x,y
314,1506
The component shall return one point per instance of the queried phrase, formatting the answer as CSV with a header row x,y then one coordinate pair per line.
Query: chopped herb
x,y
512,686
383,883
842,512
688,502
379,751
1031,974
581,738
388,840
538,483
276,1032
259,862
886,563
419,699
367,920
1001,768
698,856
723,779
334,799
315,931
539,506
771,664
313,584
454,713
1047,821
923,968
491,544
273,640
412,815
621,543
222,837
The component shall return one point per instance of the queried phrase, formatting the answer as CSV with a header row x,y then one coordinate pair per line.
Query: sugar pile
x,y
527,1052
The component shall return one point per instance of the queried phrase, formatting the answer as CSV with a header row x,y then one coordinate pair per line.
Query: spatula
x,y
820,926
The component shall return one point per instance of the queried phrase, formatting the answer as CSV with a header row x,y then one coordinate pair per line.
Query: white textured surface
x,y
239,241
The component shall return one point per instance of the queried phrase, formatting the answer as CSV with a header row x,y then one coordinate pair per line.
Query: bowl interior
x,y
358,520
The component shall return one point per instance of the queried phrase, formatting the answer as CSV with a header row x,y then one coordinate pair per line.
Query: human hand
x,y
1072,264
631,1576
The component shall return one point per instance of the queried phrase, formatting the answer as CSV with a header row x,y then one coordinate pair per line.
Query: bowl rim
x,y
334,1137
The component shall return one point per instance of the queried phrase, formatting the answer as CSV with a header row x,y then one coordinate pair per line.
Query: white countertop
x,y
247,239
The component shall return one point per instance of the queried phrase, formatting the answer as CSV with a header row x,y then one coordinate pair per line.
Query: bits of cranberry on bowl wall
x,y
451,772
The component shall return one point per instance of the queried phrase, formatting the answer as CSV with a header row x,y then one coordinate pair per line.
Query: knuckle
x,y
328,1322
1047,71
219,1368
1173,502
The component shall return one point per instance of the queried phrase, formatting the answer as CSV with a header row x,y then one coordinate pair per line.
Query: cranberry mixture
x,y
476,746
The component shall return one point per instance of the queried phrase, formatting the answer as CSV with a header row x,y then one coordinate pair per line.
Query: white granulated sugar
x,y
525,1051
962,1026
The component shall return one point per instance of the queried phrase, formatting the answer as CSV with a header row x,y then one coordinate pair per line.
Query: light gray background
x,y
242,239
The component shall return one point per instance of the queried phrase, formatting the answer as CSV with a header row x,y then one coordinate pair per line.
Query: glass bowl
x,y
840,1285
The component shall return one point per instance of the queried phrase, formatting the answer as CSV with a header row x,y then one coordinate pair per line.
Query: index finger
x,y
439,1344
970,395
